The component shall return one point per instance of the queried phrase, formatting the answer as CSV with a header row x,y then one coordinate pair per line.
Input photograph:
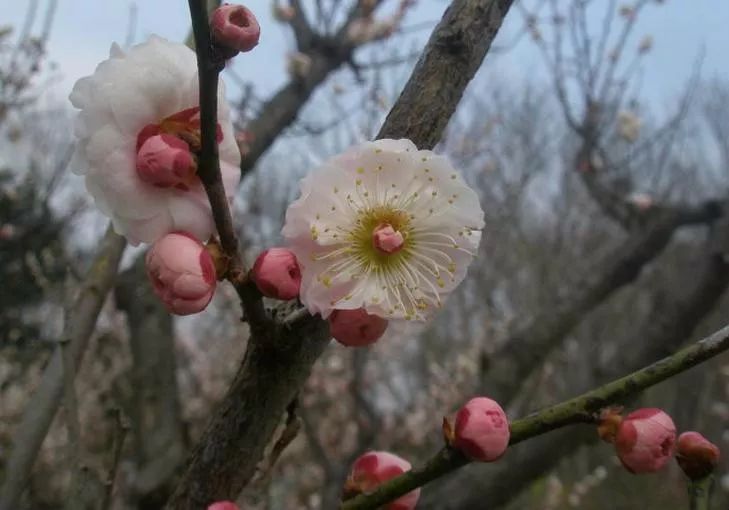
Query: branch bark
x,y
43,405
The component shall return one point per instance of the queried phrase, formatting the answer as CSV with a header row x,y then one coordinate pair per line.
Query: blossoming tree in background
x,y
376,241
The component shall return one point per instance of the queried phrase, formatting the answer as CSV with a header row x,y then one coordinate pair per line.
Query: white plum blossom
x,y
385,227
150,89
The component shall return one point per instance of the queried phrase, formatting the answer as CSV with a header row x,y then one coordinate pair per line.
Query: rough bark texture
x,y
451,58
275,366
278,360
45,402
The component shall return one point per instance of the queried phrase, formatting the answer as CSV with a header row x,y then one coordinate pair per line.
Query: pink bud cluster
x,y
645,441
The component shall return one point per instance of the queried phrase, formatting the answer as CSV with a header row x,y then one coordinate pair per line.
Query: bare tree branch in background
x,y
38,416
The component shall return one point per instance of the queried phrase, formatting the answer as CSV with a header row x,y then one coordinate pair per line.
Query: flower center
x,y
380,236
386,239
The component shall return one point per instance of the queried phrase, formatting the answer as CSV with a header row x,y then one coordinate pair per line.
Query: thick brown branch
x,y
454,52
279,358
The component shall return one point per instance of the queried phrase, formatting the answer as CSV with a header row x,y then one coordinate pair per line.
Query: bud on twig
x,y
234,28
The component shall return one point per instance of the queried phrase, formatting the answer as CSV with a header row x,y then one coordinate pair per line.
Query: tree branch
x,y
577,410
279,357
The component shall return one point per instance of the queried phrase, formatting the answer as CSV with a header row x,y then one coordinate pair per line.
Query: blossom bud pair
x,y
644,440
234,28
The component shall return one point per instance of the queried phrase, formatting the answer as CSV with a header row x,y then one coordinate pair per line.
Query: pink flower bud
x,y
386,239
482,430
235,27
356,328
697,456
165,161
645,440
277,274
223,505
374,468
182,273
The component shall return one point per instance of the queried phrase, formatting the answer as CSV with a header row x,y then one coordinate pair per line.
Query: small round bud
x,y
165,161
182,273
386,239
374,468
481,430
235,27
356,328
276,274
645,440
697,456
223,505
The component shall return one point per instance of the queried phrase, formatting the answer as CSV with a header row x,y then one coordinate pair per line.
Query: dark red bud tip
x,y
235,27
697,456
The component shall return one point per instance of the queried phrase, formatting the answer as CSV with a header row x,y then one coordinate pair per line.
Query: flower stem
x,y
700,493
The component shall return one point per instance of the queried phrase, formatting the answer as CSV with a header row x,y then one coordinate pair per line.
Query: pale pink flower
x,y
645,440
150,90
356,328
374,468
373,185
182,273
276,274
235,27
481,430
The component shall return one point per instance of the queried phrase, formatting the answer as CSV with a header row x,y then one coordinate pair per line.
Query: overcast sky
x,y
84,30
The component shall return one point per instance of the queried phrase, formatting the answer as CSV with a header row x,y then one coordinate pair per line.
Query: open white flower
x,y
151,89
385,227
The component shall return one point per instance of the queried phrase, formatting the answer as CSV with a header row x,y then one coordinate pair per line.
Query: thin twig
x,y
577,410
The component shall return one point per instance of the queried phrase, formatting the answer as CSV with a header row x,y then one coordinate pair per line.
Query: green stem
x,y
580,409
700,493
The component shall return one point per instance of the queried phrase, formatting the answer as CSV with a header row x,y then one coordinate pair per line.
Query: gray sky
x,y
84,30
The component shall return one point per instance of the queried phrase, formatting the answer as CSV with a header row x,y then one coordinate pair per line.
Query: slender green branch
x,y
580,409
700,493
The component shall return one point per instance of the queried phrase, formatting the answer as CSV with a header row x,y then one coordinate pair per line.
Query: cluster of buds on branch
x,y
645,441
